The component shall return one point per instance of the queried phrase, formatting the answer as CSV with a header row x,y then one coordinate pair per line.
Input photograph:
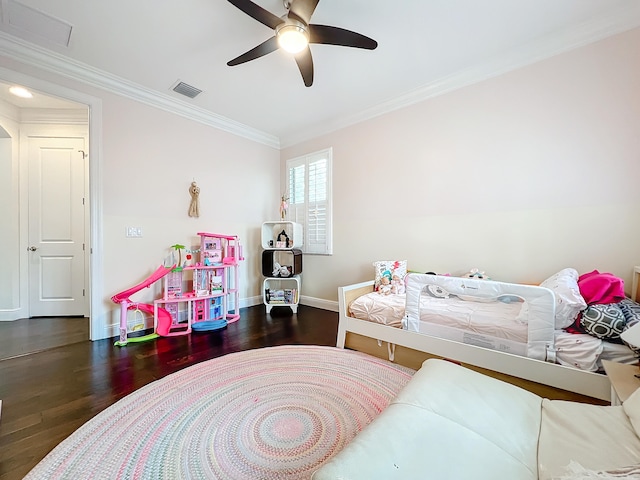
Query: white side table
x,y
623,380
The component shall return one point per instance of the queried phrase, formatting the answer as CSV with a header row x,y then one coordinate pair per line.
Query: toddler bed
x,y
509,328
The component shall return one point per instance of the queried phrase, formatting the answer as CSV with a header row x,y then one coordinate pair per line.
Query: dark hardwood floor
x,y
47,395
30,335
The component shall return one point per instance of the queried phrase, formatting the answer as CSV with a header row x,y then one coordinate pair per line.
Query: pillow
x,y
631,312
569,302
389,276
606,322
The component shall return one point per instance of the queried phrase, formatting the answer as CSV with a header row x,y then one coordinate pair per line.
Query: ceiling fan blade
x,y
305,64
329,35
261,50
303,9
257,12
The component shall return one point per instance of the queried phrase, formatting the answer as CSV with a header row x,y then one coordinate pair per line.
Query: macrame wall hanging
x,y
194,206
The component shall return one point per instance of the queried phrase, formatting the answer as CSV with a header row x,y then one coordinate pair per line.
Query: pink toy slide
x,y
122,298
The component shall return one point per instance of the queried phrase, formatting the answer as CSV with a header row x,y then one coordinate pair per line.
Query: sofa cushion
x,y
595,437
448,422
510,416
406,442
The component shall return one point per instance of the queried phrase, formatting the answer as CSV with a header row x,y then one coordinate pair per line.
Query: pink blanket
x,y
600,288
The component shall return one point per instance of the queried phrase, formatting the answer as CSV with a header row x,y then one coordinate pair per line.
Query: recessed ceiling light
x,y
20,92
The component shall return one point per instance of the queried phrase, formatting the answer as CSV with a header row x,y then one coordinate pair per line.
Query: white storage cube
x,y
272,230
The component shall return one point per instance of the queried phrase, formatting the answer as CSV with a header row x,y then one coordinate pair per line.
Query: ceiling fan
x,y
294,33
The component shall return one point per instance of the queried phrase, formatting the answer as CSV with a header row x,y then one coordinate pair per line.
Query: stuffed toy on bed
x,y
475,273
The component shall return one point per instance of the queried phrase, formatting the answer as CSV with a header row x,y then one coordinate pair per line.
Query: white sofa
x,y
450,422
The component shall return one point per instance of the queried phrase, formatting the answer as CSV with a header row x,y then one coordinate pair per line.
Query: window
x,y
309,190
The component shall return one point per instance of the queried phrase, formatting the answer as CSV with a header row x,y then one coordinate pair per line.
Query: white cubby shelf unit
x,y
282,292
273,233
281,264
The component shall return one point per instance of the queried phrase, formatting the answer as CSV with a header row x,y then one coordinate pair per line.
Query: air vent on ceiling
x,y
29,22
186,90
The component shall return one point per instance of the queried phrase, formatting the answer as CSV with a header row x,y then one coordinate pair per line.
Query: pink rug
x,y
270,413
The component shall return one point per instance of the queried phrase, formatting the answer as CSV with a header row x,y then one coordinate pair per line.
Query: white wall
x,y
148,158
520,175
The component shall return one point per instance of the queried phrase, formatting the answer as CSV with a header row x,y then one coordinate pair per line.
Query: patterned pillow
x,y
389,276
605,321
631,312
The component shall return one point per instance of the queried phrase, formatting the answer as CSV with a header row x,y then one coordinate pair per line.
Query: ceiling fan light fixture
x,y
292,38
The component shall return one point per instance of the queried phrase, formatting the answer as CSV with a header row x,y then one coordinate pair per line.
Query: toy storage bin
x,y
271,231
289,258
282,292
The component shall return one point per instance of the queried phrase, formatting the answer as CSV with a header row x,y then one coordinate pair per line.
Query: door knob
x,y
32,249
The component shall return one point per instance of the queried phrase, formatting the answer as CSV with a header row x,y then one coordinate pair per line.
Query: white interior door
x,y
57,226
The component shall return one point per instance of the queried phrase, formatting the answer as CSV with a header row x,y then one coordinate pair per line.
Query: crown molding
x,y
589,32
9,111
53,62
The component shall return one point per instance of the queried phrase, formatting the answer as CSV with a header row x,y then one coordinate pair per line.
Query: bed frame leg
x,y
342,309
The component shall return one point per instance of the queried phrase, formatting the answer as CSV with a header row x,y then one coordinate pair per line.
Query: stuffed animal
x,y
385,287
280,270
397,285
284,271
276,269
475,273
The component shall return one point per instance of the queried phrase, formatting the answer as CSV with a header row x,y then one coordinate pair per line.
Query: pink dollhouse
x,y
204,290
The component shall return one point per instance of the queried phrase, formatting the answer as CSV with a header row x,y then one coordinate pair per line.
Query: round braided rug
x,y
270,413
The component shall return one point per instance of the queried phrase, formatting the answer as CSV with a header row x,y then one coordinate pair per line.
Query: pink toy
x,y
210,291
163,316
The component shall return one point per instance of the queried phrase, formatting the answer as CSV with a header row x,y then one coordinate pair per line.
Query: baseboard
x,y
319,303
113,330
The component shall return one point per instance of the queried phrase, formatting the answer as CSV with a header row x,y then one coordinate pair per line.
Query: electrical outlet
x,y
134,232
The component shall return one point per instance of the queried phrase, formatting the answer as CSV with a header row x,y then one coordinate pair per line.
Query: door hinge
x,y
82,200
83,292
83,247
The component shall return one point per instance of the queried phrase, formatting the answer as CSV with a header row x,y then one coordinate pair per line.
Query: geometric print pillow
x,y
631,312
606,321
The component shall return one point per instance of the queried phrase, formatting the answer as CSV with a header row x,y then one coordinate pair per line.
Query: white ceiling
x,y
425,47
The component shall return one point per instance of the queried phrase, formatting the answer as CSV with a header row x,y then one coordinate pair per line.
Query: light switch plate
x,y
134,232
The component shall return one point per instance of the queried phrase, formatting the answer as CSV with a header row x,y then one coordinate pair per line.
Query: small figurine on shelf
x,y
282,240
283,206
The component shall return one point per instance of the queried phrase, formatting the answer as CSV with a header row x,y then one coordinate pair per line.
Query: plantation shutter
x,y
309,187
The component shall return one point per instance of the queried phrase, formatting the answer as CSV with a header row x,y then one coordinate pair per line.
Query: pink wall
x,y
519,175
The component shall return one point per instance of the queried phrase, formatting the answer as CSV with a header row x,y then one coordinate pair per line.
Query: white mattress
x,y
383,309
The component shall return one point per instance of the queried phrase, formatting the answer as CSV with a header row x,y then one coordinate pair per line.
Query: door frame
x,y
97,311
